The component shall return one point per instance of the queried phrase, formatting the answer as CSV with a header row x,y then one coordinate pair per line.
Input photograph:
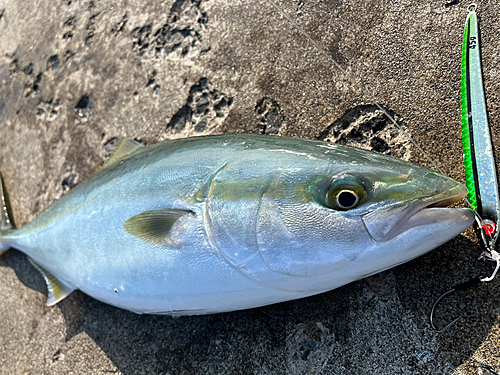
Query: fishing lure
x,y
479,161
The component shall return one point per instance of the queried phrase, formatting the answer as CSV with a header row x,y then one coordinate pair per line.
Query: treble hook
x,y
468,284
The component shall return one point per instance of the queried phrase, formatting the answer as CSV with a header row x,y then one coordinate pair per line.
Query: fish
x,y
219,223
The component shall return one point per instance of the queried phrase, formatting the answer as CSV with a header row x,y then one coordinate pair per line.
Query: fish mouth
x,y
387,223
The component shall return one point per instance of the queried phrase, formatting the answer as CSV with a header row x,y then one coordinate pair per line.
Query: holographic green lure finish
x,y
465,103
479,161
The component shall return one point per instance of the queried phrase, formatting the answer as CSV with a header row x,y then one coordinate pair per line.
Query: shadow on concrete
x,y
423,280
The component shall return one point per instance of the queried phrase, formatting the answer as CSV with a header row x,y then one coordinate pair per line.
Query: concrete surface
x,y
75,75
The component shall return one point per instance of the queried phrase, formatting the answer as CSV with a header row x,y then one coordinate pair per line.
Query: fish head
x,y
318,216
323,223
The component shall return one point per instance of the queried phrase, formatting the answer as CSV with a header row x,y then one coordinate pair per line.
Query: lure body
x,y
479,161
221,223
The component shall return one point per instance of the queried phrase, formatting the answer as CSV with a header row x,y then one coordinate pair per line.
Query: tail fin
x,y
6,224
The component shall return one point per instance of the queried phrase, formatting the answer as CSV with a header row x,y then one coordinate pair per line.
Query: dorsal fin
x,y
155,227
126,147
58,289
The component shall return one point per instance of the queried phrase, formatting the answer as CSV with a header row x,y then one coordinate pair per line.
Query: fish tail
x,y
7,224
58,289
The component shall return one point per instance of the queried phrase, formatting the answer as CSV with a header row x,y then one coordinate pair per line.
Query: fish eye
x,y
347,199
344,195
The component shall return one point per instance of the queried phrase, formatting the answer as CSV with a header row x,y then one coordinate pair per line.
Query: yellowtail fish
x,y
220,223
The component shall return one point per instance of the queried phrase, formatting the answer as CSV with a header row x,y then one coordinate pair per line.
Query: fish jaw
x,y
420,226
390,221
414,242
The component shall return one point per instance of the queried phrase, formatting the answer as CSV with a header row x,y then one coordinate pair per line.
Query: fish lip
x,y
390,222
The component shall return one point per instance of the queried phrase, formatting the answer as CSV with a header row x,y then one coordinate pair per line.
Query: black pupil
x,y
346,199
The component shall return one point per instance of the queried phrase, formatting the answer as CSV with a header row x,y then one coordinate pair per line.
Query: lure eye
x,y
344,196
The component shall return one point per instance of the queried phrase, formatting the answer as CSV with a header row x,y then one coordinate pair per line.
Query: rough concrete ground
x,y
76,75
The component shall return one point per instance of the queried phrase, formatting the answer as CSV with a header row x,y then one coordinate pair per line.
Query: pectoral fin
x,y
155,227
125,148
58,289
